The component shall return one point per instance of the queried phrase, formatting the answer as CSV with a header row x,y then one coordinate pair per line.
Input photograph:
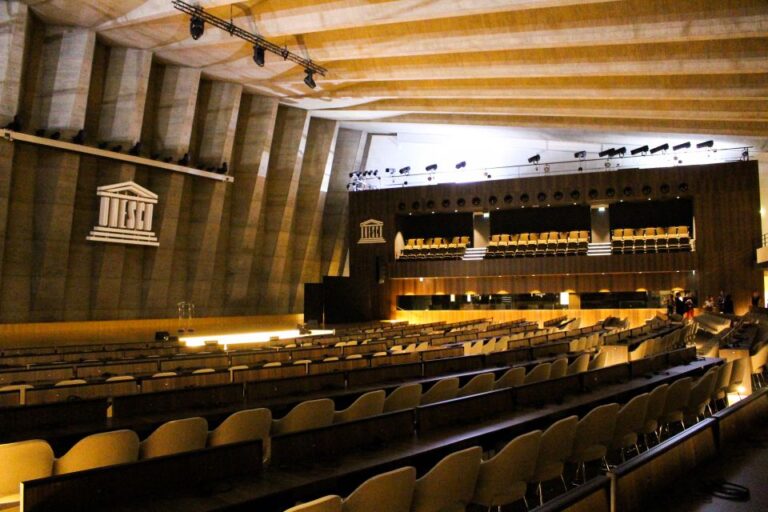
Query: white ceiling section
x,y
549,76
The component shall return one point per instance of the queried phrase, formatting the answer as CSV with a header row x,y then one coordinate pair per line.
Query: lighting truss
x,y
254,39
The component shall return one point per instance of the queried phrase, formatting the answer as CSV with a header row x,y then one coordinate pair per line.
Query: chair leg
x,y
525,500
540,492
565,486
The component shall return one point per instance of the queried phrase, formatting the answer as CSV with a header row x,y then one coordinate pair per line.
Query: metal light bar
x,y
255,39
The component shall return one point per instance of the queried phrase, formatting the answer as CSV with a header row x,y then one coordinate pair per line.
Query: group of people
x,y
723,303
681,305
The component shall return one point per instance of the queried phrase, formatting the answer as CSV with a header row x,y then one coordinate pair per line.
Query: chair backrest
x,y
503,478
70,382
559,368
387,492
539,373
701,393
738,372
599,360
306,415
203,370
99,450
656,400
759,359
121,378
246,425
22,461
511,378
581,364
330,503
595,429
630,420
366,405
159,375
478,384
444,389
176,436
273,364
450,484
723,377
677,395
554,449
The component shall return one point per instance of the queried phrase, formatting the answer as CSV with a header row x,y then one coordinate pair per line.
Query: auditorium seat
x,y
699,397
594,434
304,416
387,492
246,425
598,361
367,405
70,382
539,373
555,447
163,374
511,378
121,378
273,364
444,389
326,504
201,371
503,479
629,424
406,396
757,363
738,373
559,368
579,365
654,410
450,484
677,399
99,450
478,384
22,461
176,436
720,389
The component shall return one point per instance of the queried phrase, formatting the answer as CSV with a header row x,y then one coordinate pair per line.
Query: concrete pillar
x,y
219,123
285,164
250,163
13,33
310,204
176,110
7,150
125,92
347,157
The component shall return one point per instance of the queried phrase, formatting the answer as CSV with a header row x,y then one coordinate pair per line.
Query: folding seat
x,y
478,384
450,484
407,396
512,245
739,372
464,242
493,244
408,250
552,240
539,373
541,243
99,450
522,244
617,241
504,245
649,240
673,241
559,368
598,361
246,425
511,378
594,434
683,238
442,248
367,405
661,239
22,461
306,415
387,492
555,447
677,399
562,243
421,248
444,389
583,242
629,424
579,365
176,436
330,503
533,240
503,479
453,248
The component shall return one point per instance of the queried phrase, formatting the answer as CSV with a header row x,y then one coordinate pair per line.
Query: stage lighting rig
x,y
641,149
663,147
705,144
684,145
535,159
580,154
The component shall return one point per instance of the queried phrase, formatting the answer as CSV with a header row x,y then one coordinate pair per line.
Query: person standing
x,y
679,304
728,305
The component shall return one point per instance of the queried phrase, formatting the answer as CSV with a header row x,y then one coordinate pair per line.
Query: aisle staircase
x,y
474,253
599,249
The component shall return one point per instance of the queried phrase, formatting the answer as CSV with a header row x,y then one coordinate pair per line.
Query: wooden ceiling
x,y
664,66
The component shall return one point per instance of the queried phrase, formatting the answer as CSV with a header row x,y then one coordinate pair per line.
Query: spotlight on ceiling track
x,y
461,165
663,147
705,144
684,145
606,152
580,154
621,151
258,55
196,27
637,151
405,170
432,167
309,80
534,159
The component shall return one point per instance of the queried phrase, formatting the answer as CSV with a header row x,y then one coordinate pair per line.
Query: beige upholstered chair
x,y
554,449
503,479
366,405
559,368
388,492
246,425
758,366
579,365
478,384
444,389
22,461
407,396
739,372
598,361
306,415
511,378
450,484
700,395
677,399
594,433
656,400
539,373
629,423
326,504
99,450
70,382
175,436
721,384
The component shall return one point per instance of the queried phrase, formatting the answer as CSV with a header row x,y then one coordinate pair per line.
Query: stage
x,y
255,337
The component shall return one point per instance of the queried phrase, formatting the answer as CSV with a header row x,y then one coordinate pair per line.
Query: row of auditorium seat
x,y
504,477
651,239
434,248
549,243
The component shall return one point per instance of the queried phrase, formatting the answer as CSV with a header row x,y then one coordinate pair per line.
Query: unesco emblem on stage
x,y
125,215
371,232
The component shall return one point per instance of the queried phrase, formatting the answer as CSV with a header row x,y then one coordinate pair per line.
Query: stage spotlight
x,y
684,145
103,145
534,159
79,137
706,144
390,170
432,167
14,125
309,80
56,135
745,154
461,165
117,148
223,169
606,152
196,27
168,159
580,154
258,55
405,170
155,156
184,160
40,132
663,147
136,149
641,149
621,151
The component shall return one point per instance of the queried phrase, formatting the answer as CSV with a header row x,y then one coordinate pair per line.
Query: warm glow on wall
x,y
502,292
605,290
641,290
535,292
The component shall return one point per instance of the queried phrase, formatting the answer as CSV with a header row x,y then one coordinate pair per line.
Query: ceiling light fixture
x,y
684,145
663,147
705,144
641,149
259,55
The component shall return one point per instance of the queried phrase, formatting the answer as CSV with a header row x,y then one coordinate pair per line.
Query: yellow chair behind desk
x,y
22,461
176,436
673,240
444,389
478,384
503,479
407,396
555,447
367,405
305,416
662,237
450,484
388,492
559,368
464,242
495,239
580,364
511,378
326,504
758,362
594,433
599,360
247,425
683,237
539,373
99,450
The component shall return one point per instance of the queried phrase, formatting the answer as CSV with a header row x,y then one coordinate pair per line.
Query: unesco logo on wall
x,y
371,232
125,215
